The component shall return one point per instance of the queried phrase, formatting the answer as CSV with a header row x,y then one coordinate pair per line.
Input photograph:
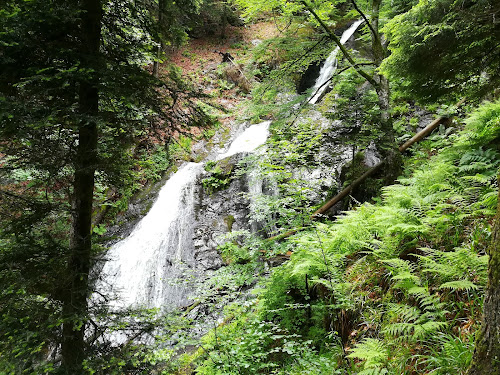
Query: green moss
x,y
229,220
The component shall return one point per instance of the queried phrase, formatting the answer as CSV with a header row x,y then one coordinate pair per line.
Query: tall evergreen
x,y
445,49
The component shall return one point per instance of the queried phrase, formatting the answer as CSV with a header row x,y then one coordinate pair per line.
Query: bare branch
x,y
362,14
346,53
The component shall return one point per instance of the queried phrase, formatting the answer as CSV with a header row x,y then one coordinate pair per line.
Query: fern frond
x,y
489,201
452,355
403,273
374,352
465,285
427,329
403,312
461,264
400,331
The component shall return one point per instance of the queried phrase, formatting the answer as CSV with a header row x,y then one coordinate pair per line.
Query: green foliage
x,y
211,18
247,345
451,355
233,253
374,353
457,42
46,61
397,279
153,164
219,176
282,172
483,125
356,106
412,325
458,270
285,301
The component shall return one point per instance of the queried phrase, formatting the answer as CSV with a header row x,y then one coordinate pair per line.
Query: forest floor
x,y
201,63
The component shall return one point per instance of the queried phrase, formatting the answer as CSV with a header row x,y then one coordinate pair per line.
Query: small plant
x,y
219,176
375,355
452,355
234,253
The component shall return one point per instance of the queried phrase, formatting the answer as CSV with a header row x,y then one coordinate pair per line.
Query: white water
x,y
330,65
248,141
153,265
141,266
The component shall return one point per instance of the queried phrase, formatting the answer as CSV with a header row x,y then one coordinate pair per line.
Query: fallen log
x,y
423,133
428,129
345,192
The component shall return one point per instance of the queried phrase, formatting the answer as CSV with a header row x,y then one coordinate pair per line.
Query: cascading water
x,y
330,65
248,141
153,265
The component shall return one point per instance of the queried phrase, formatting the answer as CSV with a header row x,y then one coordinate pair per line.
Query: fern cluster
x,y
410,270
391,287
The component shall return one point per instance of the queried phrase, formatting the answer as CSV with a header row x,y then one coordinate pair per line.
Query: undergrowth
x,y
391,287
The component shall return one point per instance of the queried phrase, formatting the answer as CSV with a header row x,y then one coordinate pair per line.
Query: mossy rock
x,y
229,220
219,175
352,171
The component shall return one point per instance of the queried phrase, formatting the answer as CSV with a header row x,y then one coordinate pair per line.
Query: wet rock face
x,y
309,77
217,214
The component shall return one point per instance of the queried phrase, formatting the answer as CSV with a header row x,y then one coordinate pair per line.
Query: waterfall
x,y
153,265
248,141
330,65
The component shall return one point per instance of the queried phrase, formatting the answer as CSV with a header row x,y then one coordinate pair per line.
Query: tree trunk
x,y
388,147
486,359
77,289
387,143
156,63
161,47
224,19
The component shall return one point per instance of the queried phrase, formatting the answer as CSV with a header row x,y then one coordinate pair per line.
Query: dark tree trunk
x,y
75,306
387,144
388,147
161,47
486,359
224,19
156,63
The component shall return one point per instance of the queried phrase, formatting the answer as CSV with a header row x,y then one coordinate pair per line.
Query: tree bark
x,y
387,146
486,359
156,63
75,308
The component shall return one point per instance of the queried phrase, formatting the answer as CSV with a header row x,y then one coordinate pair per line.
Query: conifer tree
x,y
74,97
445,50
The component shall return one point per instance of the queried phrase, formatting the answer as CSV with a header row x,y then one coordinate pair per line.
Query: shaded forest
x,y
344,244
